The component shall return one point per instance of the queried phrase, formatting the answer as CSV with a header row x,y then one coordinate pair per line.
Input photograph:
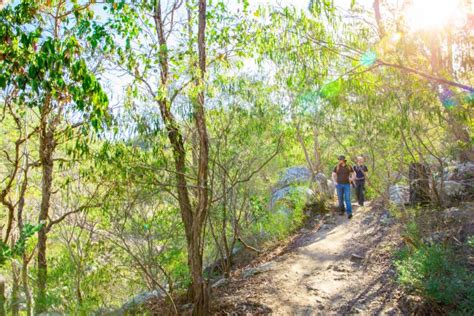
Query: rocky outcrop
x,y
459,220
294,175
458,181
399,194
453,189
290,194
299,183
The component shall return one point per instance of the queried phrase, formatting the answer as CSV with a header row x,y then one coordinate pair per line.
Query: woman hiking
x,y
342,176
361,175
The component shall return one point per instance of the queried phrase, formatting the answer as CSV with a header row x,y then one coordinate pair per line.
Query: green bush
x,y
286,217
433,273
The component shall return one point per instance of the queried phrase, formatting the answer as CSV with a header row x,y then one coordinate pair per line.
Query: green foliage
x,y
470,241
286,216
49,70
433,272
18,249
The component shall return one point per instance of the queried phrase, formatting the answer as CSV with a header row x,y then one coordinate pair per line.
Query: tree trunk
x,y
25,284
46,157
199,286
25,259
2,296
193,219
14,305
201,297
316,151
305,150
419,184
378,19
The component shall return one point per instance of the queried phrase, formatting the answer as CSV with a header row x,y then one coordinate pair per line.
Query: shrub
x,y
433,273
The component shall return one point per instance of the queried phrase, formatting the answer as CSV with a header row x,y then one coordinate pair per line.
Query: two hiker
x,y
343,176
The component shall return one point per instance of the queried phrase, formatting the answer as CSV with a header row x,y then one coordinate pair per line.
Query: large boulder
x,y
459,221
399,194
293,176
453,189
287,195
294,183
298,183
322,186
458,181
462,171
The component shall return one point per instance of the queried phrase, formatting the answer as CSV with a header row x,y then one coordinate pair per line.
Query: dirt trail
x,y
337,266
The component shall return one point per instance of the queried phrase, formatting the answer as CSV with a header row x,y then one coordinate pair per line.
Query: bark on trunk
x,y
14,305
378,19
419,184
2,296
316,151
193,219
25,285
201,297
47,146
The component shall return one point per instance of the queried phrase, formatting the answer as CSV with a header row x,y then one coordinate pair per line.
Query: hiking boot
x,y
342,212
349,216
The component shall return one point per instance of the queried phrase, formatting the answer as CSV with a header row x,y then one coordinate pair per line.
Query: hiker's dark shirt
x,y
343,173
359,170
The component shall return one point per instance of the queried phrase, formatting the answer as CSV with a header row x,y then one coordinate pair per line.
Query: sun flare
x,y
433,14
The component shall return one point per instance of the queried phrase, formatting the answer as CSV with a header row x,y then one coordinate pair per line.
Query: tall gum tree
x,y
173,39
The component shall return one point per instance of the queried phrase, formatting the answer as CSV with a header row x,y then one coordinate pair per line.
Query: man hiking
x,y
342,176
361,175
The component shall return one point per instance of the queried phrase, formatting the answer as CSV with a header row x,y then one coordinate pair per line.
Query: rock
x,y
186,307
385,218
458,215
298,183
391,311
356,257
327,226
453,189
462,171
459,181
399,194
220,282
104,311
368,220
257,270
331,187
139,300
294,175
323,186
459,221
290,194
436,238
